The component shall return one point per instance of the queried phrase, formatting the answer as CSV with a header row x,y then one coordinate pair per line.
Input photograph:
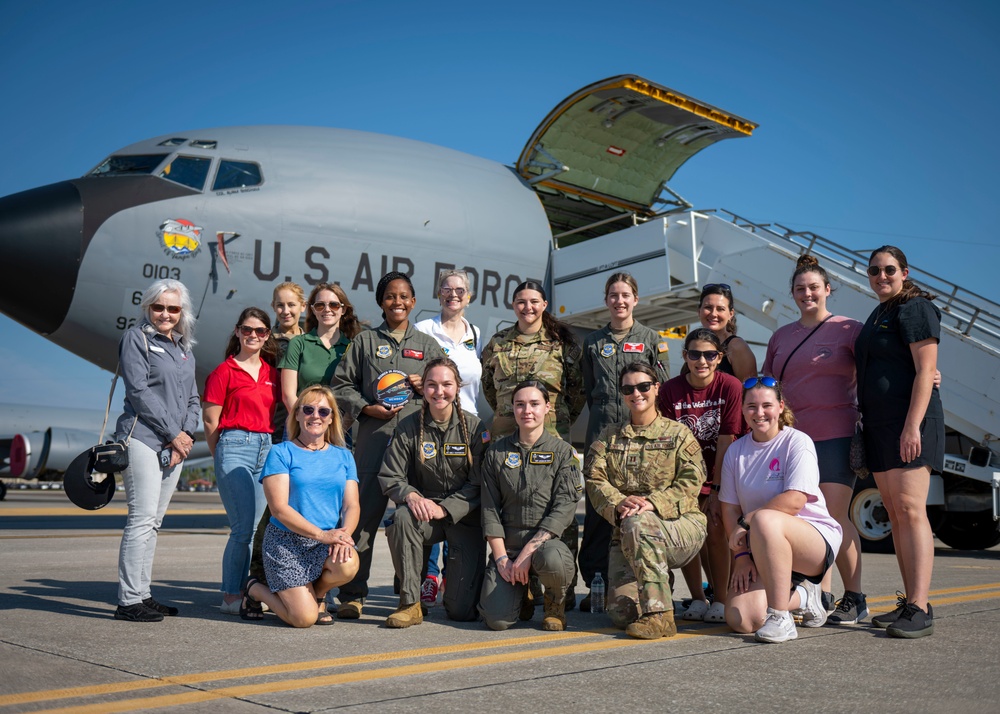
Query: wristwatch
x,y
742,523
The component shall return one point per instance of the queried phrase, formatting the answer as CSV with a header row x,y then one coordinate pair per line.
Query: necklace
x,y
306,446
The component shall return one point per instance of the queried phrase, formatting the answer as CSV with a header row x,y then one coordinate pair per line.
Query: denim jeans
x,y
148,488
239,460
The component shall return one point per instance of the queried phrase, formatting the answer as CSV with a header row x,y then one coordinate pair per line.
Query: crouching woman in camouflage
x,y
530,491
644,477
431,471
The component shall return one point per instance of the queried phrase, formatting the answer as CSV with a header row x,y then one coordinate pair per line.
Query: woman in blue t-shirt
x,y
311,485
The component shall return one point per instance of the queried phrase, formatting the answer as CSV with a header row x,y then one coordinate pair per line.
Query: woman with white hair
x,y
161,412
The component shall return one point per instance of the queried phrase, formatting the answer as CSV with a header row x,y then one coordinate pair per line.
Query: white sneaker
x,y
716,613
696,611
812,611
778,627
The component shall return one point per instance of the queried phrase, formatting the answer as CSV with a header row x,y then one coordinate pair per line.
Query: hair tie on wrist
x,y
740,554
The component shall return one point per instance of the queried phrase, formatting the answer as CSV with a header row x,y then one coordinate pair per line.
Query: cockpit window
x,y
237,174
172,142
204,144
129,165
188,170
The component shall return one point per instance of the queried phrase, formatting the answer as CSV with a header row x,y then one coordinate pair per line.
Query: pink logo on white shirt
x,y
775,468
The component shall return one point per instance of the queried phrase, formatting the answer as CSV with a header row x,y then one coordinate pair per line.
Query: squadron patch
x,y
456,450
383,351
607,350
429,449
633,347
513,460
486,436
541,457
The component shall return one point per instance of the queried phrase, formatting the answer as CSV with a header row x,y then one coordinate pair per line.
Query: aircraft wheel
x,y
870,517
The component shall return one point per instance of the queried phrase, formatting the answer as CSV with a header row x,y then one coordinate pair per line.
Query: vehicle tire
x,y
964,530
870,517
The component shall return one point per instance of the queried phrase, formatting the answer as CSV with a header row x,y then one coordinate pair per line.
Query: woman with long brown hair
x,y
896,357
240,397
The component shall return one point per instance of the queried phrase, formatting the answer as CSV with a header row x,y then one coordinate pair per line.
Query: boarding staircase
x,y
672,256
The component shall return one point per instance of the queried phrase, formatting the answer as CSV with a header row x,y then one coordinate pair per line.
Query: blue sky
x,y
875,117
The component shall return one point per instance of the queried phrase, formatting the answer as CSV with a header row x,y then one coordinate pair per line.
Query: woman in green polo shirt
x,y
312,358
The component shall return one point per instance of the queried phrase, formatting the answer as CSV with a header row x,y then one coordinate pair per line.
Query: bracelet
x,y
741,554
715,487
502,557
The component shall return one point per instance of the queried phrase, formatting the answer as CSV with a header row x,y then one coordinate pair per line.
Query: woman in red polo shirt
x,y
240,396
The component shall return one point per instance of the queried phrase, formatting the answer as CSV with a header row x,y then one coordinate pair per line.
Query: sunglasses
x,y
695,355
711,286
769,382
643,387
309,410
457,292
261,332
172,309
889,270
321,306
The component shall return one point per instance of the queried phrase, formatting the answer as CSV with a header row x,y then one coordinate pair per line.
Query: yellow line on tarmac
x,y
200,677
170,700
945,591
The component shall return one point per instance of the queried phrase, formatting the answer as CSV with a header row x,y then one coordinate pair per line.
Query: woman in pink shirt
x,y
813,358
240,397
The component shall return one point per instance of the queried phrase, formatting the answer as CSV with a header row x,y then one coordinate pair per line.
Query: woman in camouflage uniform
x,y
643,477
431,472
539,348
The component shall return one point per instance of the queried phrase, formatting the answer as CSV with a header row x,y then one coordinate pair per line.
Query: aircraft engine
x,y
34,453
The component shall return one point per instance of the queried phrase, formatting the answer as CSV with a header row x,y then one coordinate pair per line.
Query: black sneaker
x,y
851,608
160,607
828,602
887,618
137,613
912,623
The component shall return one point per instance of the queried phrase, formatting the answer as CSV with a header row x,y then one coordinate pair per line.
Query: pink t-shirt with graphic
x,y
820,382
753,473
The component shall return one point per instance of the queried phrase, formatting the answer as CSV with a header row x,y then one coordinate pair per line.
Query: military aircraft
x,y
232,211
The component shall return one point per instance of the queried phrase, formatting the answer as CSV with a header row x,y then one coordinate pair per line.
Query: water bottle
x,y
597,594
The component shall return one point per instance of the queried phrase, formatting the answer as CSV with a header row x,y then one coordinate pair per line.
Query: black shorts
x,y
797,578
882,446
834,456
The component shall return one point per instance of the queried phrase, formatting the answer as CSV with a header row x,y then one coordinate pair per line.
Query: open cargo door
x,y
608,150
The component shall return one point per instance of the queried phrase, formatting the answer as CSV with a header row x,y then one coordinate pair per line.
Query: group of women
x,y
705,469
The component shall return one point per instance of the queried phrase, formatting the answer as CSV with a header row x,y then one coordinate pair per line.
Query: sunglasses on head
x,y
321,306
770,382
172,309
712,286
889,270
261,332
643,387
695,355
309,410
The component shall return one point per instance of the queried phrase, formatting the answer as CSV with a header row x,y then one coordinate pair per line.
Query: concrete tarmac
x,y
62,651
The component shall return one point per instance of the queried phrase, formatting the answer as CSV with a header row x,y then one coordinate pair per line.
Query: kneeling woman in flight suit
x,y
530,491
643,477
431,472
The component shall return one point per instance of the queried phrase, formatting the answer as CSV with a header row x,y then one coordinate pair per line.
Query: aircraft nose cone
x,y
41,244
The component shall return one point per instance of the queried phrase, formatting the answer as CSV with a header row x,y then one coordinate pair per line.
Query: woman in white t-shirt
x,y
782,536
459,339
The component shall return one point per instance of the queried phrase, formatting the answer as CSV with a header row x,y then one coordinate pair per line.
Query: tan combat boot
x,y
555,613
405,616
653,626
